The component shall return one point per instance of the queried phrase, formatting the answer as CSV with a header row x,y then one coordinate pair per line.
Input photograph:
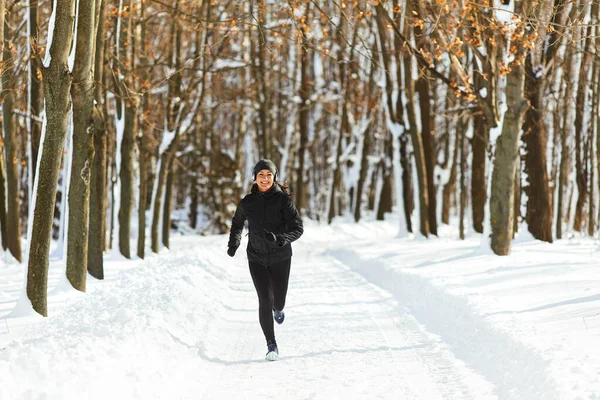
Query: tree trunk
x,y
126,175
126,172
517,202
82,93
3,204
3,231
194,197
261,86
144,164
417,148
372,193
408,192
57,84
304,116
157,206
175,102
165,163
419,153
580,154
591,219
98,193
166,226
429,147
13,220
597,118
386,195
505,163
539,209
144,137
463,183
478,178
336,190
485,81
394,103
337,172
563,183
593,126
565,142
201,43
364,167
450,187
97,224
35,92
539,204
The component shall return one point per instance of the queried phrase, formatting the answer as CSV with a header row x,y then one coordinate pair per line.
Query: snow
x,y
504,13
368,315
221,64
63,233
118,39
51,26
71,59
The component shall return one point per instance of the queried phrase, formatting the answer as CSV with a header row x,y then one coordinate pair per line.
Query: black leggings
x,y
271,285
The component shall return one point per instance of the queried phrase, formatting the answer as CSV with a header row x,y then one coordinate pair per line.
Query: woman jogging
x,y
273,223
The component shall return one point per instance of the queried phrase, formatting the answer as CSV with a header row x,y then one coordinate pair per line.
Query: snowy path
x,y
361,323
343,338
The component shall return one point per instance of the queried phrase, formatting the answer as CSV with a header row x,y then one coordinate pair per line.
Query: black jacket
x,y
272,211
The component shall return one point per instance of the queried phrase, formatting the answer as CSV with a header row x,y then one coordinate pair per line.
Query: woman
x,y
273,223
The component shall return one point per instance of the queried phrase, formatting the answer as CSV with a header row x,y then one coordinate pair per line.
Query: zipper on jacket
x,y
264,228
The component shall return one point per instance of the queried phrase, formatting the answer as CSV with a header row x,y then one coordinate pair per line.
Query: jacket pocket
x,y
257,245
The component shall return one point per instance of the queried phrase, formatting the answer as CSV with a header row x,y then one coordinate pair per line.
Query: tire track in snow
x,y
367,309
429,370
517,371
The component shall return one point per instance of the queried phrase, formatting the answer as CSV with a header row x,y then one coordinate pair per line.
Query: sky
x,y
370,314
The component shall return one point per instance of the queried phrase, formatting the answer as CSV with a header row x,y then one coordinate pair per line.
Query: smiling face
x,y
264,180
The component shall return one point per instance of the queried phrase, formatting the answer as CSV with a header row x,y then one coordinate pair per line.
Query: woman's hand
x,y
270,236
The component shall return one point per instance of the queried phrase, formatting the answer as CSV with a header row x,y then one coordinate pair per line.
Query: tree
x,y
82,93
539,206
11,156
523,37
34,93
127,103
57,84
304,118
581,141
3,232
98,192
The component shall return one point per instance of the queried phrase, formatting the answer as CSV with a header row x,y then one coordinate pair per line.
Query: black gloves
x,y
230,251
270,236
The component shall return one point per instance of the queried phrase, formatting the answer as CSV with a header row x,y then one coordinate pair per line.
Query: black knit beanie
x,y
265,164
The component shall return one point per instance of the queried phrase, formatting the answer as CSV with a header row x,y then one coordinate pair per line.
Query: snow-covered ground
x,y
368,315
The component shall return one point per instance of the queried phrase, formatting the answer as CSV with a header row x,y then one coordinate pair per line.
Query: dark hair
x,y
285,188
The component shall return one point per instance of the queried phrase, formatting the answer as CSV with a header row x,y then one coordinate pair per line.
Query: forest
x,y
124,121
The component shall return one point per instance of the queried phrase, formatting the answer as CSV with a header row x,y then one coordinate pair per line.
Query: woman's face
x,y
264,180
